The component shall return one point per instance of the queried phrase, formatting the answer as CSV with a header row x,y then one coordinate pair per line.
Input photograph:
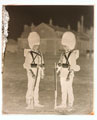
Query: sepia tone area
x,y
15,77
15,86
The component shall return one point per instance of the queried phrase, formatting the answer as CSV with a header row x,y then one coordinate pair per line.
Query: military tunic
x,y
66,67
34,64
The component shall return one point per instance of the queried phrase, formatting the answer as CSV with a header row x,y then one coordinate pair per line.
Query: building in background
x,y
51,37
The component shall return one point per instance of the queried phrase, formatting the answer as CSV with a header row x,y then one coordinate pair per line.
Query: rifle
x,y
33,75
55,77
36,77
68,76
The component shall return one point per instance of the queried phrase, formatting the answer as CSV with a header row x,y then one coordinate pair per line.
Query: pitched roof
x,y
58,28
45,31
43,25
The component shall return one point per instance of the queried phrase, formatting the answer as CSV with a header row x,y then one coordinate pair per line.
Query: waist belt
x,y
65,65
35,65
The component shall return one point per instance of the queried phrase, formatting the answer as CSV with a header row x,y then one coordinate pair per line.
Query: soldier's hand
x,y
58,73
42,74
67,79
33,76
58,70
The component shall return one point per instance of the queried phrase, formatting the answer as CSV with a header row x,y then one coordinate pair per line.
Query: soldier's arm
x,y
73,66
28,60
43,64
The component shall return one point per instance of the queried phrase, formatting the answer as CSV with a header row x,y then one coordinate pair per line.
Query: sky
x,y
60,15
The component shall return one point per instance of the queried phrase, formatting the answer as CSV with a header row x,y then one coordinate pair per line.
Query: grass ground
x,y
15,87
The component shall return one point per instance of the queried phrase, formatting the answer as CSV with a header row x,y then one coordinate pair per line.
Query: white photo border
x,y
51,2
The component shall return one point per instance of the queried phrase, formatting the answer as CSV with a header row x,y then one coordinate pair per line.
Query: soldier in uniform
x,y
34,64
66,68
